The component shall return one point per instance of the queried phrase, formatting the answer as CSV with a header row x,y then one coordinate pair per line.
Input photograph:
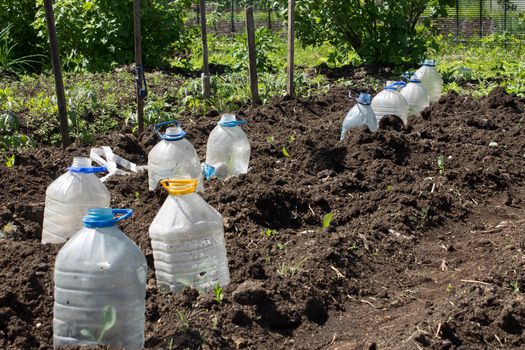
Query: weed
x,y
441,164
10,230
137,195
285,153
327,220
292,269
10,161
185,320
450,288
266,259
390,188
270,139
281,246
515,286
421,219
291,138
217,291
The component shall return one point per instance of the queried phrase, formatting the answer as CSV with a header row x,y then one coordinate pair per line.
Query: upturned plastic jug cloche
x,y
360,114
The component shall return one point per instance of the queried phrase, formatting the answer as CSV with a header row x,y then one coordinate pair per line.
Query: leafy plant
x,y
327,220
109,317
285,152
9,122
515,286
9,63
421,218
217,291
292,269
441,164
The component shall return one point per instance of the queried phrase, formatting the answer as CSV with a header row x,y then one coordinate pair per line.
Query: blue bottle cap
x,y
429,63
104,217
364,98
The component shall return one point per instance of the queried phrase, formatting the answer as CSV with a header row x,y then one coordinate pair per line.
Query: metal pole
x,y
291,47
139,70
206,87
57,72
252,55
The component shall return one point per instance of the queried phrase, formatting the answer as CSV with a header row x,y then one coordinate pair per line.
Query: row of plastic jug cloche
x,y
100,274
398,98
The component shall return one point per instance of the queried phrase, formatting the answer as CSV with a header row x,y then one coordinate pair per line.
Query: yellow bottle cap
x,y
179,186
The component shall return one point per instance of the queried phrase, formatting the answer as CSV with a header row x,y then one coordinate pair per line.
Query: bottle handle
x,y
232,123
88,170
396,85
126,213
177,137
179,186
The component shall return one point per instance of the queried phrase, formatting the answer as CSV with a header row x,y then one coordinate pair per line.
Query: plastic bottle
x,y
69,197
228,149
391,102
431,79
360,114
187,237
173,156
416,96
100,285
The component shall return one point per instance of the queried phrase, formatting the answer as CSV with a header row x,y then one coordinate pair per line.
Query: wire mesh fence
x,y
468,18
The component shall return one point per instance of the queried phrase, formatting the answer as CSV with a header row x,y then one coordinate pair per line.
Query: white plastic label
x,y
112,162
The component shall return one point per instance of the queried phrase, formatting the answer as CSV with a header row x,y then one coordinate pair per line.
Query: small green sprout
x,y
291,138
217,291
390,188
327,220
10,161
450,288
515,286
109,317
270,139
281,246
269,232
285,153
441,164
137,195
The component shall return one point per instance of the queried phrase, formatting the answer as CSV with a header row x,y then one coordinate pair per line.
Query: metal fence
x,y
468,18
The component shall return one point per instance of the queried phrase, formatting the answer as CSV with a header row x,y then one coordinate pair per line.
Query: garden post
x,y
457,20
252,55
505,8
480,18
139,69
57,72
291,47
206,88
232,15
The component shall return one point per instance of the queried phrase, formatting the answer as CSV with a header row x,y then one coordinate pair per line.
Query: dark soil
x,y
413,257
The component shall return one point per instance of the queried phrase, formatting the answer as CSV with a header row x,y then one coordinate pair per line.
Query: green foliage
x,y
217,292
269,232
327,220
98,34
285,152
9,62
381,32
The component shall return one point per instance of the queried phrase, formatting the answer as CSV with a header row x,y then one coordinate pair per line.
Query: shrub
x,y
380,31
98,34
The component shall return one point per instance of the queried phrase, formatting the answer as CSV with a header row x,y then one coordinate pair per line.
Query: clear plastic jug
x,y
360,114
431,79
187,237
100,285
173,156
68,199
416,96
391,102
228,149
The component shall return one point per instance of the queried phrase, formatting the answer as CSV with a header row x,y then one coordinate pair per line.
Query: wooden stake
x,y
138,65
252,55
57,72
206,87
291,47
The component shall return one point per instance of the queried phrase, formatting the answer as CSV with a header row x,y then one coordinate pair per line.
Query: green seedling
x,y
421,220
217,291
184,318
269,232
109,317
327,220
441,164
10,161
515,286
292,269
137,195
390,188
291,138
285,153
450,288
281,246
270,139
